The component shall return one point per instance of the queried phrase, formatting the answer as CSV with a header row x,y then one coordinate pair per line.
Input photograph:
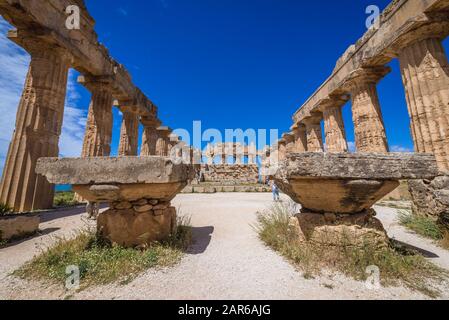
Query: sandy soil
x,y
226,261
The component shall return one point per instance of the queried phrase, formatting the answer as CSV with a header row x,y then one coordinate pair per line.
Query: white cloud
x,y
71,140
351,146
400,149
14,63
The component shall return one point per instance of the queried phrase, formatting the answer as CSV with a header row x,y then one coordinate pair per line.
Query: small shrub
x,y
65,199
101,263
423,226
409,269
5,210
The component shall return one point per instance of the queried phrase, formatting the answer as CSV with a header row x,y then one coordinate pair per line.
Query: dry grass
x,y
101,263
397,267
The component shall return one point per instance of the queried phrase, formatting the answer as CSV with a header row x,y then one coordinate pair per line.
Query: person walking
x,y
275,190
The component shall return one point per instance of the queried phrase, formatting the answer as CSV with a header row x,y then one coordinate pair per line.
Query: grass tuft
x,y
65,199
5,210
423,226
101,263
396,267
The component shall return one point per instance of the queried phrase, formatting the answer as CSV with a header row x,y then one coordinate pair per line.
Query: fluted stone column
x,y
300,134
162,141
425,73
98,135
369,126
129,134
314,135
282,150
150,136
38,127
172,142
252,154
334,128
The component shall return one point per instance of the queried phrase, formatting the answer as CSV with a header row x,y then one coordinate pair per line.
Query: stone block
x,y
16,226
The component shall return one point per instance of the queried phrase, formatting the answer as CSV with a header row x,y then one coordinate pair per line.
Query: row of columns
x,y
425,73
236,151
39,124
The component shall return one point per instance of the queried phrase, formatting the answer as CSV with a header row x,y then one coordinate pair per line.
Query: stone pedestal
x,y
314,135
340,230
37,131
425,73
337,192
139,191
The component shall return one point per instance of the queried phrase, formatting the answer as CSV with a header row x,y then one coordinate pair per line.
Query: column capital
x,y
38,42
164,131
363,76
150,122
436,26
312,119
334,101
93,83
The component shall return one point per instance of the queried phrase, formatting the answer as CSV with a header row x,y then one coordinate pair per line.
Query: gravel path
x,y
227,260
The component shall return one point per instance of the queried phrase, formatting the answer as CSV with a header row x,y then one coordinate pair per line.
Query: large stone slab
x,y
105,179
348,183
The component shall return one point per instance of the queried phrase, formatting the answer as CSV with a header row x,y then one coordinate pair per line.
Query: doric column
x,y
282,150
252,154
150,136
290,143
334,127
38,127
98,135
129,133
162,141
425,73
172,142
313,132
369,127
300,134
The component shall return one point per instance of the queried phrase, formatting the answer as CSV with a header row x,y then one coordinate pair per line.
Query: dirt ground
x,y
226,260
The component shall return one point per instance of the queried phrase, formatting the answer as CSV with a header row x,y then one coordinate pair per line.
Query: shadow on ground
x,y
201,237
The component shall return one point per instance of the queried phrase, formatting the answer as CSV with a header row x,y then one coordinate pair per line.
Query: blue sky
x,y
229,63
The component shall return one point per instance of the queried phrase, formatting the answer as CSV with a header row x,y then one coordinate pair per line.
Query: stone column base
x,y
340,230
138,223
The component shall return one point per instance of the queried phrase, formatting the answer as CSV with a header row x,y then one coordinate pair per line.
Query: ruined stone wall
x,y
231,174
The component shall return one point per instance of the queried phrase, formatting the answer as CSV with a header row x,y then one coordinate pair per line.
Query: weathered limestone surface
x,y
17,226
119,171
431,197
129,134
334,129
314,137
150,136
162,141
235,174
38,127
369,127
337,191
140,224
425,73
98,135
337,230
300,134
